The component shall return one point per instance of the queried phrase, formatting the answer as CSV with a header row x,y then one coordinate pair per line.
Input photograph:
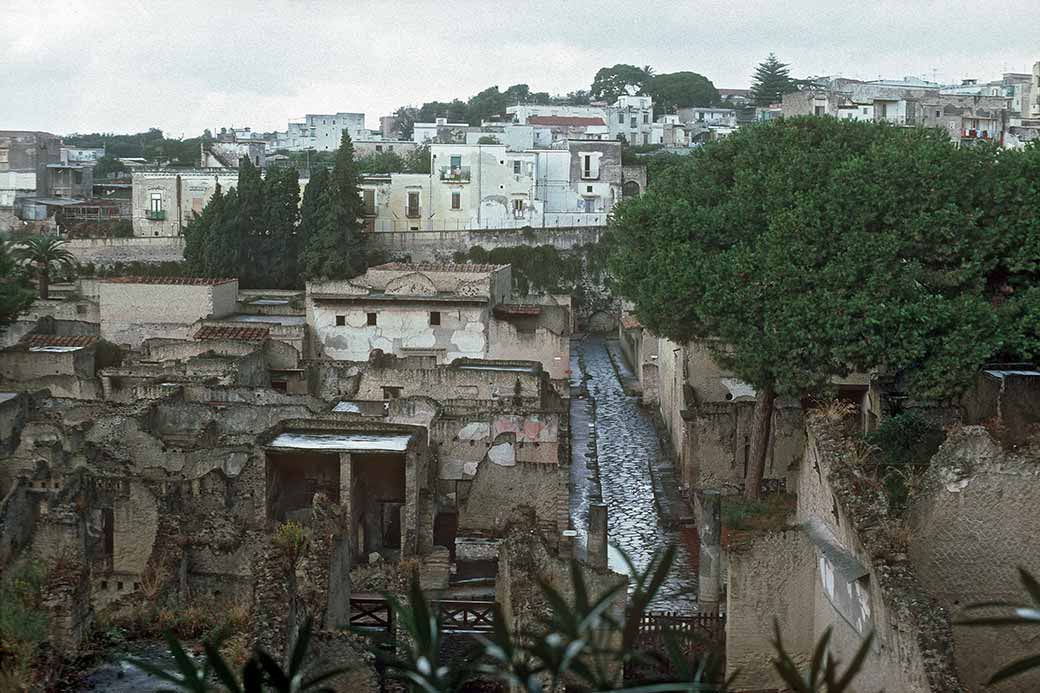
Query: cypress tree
x,y
254,255
198,233
771,81
337,248
281,213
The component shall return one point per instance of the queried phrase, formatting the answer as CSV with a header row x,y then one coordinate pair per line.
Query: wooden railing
x,y
457,615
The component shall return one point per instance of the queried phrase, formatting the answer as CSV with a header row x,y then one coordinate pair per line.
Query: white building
x,y
490,186
630,117
88,156
163,202
423,133
321,132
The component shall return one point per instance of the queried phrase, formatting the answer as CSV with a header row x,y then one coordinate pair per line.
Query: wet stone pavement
x,y
626,443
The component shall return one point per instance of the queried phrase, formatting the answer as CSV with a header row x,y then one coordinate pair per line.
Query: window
x,y
391,392
456,163
516,167
819,110
456,199
621,118
518,207
155,202
372,318
435,317
938,114
589,166
369,197
379,147
341,320
413,204
390,147
588,188
632,123
280,385
646,118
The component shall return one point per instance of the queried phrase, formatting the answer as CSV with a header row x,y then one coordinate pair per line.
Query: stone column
x,y
337,611
710,529
597,549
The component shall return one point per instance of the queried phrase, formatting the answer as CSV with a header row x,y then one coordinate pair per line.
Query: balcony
x,y
155,215
459,174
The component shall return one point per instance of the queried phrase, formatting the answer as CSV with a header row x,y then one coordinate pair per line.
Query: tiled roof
x,y
54,340
437,267
189,281
576,121
631,322
242,334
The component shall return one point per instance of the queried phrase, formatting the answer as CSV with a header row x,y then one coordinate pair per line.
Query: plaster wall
x,y
135,521
402,328
180,194
498,490
131,313
969,535
772,577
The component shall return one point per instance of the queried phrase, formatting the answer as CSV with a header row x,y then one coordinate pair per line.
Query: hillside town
x,y
653,385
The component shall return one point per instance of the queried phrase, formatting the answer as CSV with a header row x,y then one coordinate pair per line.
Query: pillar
x,y
597,548
709,528
337,611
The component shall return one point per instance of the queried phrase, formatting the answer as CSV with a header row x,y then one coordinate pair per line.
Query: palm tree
x,y
45,254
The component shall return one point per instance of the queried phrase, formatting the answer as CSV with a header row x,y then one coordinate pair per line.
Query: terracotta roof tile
x,y
574,121
631,322
187,281
242,334
437,267
54,340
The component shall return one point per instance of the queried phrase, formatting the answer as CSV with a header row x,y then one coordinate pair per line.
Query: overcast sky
x,y
184,66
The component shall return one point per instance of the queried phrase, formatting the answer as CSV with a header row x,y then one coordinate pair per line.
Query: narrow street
x,y
626,443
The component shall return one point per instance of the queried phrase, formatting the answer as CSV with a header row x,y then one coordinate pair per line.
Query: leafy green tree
x,y
612,82
455,111
486,105
108,167
419,160
310,212
198,234
14,295
44,255
675,90
337,249
279,263
382,162
404,118
806,249
223,246
771,81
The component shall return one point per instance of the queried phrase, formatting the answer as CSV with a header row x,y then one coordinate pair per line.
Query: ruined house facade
x,y
443,311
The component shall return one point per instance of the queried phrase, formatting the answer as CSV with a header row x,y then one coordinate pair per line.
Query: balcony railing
x,y
155,215
457,174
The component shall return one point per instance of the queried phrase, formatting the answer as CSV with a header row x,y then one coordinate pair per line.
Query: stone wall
x,y
861,584
133,312
973,524
498,491
771,577
418,246
104,252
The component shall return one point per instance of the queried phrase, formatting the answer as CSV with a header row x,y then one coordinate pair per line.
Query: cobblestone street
x,y
626,444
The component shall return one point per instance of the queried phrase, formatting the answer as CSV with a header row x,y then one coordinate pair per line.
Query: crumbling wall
x,y
773,576
974,522
860,584
499,490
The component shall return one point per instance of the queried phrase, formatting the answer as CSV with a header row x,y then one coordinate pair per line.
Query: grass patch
x,y
766,513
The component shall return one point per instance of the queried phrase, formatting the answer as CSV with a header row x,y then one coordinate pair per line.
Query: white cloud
x,y
185,66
